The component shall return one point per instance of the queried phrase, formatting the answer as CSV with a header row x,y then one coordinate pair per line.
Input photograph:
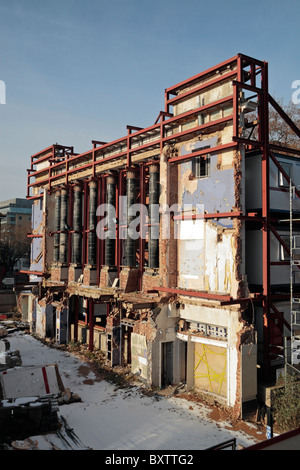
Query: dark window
x,y
201,166
287,167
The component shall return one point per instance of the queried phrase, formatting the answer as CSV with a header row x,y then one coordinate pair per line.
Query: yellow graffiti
x,y
211,374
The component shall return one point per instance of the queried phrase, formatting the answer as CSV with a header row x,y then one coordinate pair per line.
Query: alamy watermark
x,y
296,94
2,92
153,222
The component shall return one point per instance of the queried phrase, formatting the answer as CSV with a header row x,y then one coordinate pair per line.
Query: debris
x,y
8,358
31,381
68,397
21,418
27,444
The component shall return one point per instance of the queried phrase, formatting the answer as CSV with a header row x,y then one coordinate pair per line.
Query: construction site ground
x,y
116,411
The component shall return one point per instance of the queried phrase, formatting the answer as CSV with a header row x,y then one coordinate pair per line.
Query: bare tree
x,y
280,132
14,245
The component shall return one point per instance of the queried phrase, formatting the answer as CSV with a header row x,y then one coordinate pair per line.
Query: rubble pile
x,y
20,418
8,358
29,398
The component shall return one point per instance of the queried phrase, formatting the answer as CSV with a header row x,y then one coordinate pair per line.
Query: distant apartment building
x,y
15,215
202,294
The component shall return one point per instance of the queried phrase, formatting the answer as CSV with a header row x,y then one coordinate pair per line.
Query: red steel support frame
x,y
98,241
142,227
232,69
266,148
266,216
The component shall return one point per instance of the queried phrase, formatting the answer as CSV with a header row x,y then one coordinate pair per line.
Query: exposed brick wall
x,y
55,273
89,276
71,274
146,329
129,279
123,278
150,281
103,278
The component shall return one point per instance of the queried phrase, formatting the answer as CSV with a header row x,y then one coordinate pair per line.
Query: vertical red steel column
x,y
120,193
51,159
236,91
266,215
70,223
76,319
91,324
98,244
85,218
28,182
118,221
167,106
128,148
142,225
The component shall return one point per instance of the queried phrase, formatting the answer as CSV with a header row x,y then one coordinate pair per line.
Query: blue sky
x,y
81,70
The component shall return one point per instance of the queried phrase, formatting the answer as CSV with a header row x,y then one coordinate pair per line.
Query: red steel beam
x,y
213,215
276,234
280,316
203,295
264,132
217,122
35,273
200,75
94,162
285,175
230,145
202,87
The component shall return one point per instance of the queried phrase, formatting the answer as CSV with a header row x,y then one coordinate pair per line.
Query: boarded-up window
x,y
210,369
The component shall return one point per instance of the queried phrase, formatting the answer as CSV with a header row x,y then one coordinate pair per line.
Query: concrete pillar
x,y
153,244
91,324
57,226
190,379
130,246
77,225
110,242
63,242
92,223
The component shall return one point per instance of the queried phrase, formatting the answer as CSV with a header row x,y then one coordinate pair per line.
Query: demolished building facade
x,y
201,296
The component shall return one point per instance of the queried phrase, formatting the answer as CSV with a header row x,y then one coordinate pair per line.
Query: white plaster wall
x,y
219,260
203,314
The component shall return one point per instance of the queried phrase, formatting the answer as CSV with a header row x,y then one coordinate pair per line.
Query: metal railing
x,y
231,443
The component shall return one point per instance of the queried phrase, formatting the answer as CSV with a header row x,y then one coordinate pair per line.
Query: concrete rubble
x,y
29,401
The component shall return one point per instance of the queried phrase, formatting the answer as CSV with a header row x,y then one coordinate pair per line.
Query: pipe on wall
x,y
57,226
92,223
153,243
77,225
110,245
130,245
63,239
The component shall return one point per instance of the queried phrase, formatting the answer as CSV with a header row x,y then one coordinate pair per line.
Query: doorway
x,y
166,363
